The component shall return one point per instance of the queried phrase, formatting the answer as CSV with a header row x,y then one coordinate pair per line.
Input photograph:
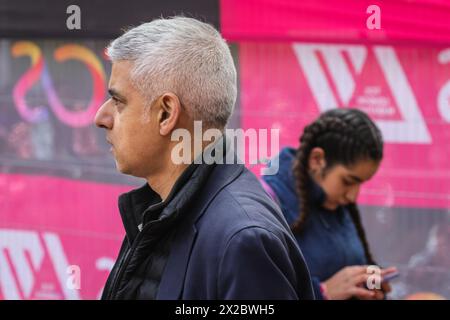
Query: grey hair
x,y
184,56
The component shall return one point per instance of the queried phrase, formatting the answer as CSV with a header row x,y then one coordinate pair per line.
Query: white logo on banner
x,y
411,129
18,245
444,93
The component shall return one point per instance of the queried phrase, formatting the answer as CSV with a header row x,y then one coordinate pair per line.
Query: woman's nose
x,y
352,194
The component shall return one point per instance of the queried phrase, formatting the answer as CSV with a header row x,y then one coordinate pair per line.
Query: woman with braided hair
x,y
317,187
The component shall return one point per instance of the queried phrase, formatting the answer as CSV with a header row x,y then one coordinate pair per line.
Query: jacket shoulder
x,y
243,239
244,203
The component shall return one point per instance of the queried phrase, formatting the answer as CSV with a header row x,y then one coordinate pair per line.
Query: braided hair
x,y
346,136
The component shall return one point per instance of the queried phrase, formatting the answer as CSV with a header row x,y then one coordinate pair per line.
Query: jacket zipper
x,y
124,261
122,266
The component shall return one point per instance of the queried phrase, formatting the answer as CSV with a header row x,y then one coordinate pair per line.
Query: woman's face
x,y
340,183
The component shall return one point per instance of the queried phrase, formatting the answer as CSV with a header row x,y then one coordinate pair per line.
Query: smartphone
x,y
390,276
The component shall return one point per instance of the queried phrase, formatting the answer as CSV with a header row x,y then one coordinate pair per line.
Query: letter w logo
x,y
411,128
21,257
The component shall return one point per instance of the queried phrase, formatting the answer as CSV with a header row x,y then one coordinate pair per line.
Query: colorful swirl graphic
x,y
73,118
83,54
28,48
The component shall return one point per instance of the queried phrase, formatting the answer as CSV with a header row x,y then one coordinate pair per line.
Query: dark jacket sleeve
x,y
256,264
316,287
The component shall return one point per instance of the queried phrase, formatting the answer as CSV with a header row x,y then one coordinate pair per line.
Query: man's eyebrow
x,y
113,93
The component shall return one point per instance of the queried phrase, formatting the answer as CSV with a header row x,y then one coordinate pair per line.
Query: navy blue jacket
x,y
233,243
329,240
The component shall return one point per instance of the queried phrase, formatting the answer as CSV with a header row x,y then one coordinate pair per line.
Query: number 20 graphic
x,y
39,70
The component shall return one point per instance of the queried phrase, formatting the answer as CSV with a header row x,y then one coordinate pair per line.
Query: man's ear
x,y
316,161
169,113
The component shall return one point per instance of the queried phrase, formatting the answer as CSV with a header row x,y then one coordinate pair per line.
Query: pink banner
x,y
58,238
406,90
406,21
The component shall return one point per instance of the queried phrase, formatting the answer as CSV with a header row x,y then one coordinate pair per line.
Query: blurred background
x,y
295,59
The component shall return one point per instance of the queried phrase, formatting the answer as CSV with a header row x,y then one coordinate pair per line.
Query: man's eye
x,y
115,100
346,182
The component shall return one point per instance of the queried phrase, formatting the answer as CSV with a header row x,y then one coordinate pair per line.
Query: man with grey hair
x,y
194,230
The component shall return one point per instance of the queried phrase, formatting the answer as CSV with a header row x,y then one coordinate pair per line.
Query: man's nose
x,y
103,117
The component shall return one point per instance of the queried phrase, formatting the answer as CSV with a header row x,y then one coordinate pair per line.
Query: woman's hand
x,y
350,282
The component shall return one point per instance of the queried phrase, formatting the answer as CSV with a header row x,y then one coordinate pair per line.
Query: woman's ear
x,y
316,161
169,113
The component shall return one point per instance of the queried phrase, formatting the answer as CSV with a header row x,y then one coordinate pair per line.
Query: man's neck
x,y
163,182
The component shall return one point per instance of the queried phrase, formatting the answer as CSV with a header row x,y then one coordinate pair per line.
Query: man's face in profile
x,y
130,128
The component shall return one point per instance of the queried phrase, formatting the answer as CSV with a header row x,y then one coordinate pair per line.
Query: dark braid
x,y
356,217
346,136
